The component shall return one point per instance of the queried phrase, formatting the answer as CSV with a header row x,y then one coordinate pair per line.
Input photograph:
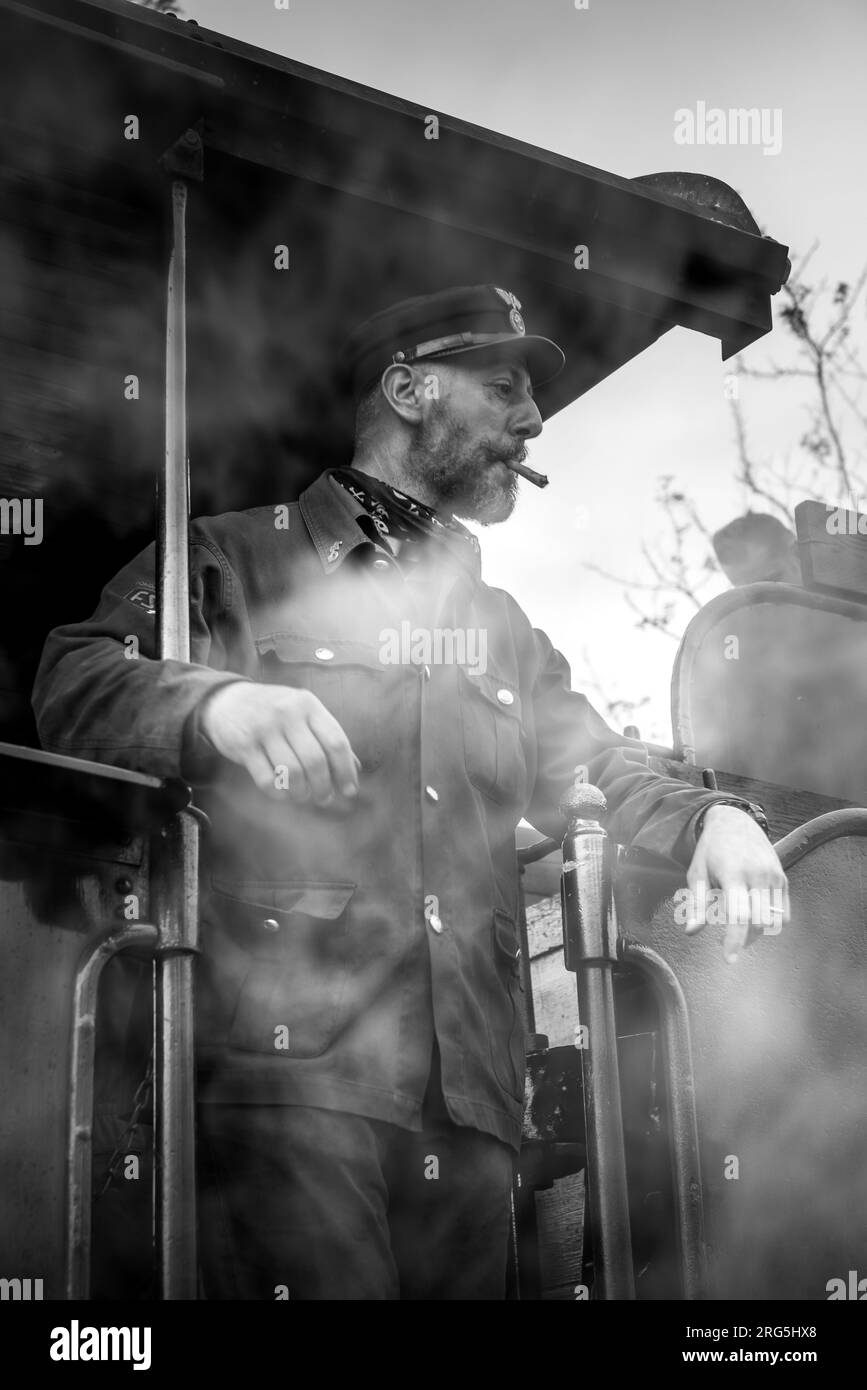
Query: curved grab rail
x,y
674,1016
685,1153
833,825
80,1155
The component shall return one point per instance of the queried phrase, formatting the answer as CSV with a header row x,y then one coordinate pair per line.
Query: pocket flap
x,y
502,694
506,940
324,900
325,653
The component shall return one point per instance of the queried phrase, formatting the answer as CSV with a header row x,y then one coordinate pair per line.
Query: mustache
x,y
518,454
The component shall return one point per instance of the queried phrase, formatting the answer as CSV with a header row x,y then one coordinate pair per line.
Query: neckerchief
x,y
399,516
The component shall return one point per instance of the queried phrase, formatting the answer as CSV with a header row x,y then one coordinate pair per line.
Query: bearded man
x,y
359,1038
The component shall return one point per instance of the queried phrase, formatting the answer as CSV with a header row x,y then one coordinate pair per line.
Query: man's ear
x,y
403,388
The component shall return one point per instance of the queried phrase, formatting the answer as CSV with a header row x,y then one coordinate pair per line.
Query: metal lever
x,y
590,952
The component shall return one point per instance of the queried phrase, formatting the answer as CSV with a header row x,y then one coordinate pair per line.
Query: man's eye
x,y
503,386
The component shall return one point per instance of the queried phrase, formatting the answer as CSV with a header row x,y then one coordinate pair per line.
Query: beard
x,y
462,474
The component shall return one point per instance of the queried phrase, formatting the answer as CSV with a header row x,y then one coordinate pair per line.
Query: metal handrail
x,y
685,1153
833,825
592,919
80,1152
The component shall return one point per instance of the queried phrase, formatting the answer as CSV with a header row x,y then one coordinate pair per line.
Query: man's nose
x,y
528,421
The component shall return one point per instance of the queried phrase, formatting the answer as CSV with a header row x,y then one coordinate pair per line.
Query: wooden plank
x,y
544,935
560,1217
785,807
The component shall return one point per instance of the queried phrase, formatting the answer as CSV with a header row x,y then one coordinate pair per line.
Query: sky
x,y
601,85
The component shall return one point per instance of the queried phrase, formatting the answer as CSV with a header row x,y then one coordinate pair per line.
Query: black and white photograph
x,y
433,668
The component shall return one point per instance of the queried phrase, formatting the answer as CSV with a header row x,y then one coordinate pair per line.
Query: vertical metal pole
x,y
173,494
590,950
176,859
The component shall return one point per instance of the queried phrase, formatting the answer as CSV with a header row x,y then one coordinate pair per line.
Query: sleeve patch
x,y
143,596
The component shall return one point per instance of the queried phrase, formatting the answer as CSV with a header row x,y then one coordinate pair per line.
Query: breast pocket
x,y
493,736
348,677
285,957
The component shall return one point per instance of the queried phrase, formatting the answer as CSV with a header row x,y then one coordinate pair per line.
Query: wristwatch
x,y
749,807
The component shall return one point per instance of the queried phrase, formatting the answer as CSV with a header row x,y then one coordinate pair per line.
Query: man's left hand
x,y
734,854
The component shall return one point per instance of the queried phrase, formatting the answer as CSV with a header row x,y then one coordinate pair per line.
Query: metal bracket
x,y
185,159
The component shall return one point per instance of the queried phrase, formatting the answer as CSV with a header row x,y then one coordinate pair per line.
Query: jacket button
x,y
324,654
270,925
381,565
505,697
432,793
435,923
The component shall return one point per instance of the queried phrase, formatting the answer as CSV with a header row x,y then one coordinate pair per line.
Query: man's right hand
x,y
285,738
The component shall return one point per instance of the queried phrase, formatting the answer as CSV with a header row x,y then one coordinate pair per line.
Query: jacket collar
x,y
331,515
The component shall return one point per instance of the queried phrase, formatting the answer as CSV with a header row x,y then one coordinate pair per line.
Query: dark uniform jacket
x,y
338,942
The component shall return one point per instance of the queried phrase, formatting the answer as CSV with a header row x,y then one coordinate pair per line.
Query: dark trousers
x,y
306,1203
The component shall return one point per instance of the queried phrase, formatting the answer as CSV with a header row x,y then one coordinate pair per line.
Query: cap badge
x,y
510,298
515,304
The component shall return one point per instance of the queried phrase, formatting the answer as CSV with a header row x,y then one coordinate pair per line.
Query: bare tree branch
x,y
748,467
825,462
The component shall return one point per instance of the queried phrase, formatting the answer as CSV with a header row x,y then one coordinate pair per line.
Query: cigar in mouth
x,y
538,478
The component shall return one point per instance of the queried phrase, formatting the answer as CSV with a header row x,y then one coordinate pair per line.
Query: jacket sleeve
x,y
100,692
651,814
